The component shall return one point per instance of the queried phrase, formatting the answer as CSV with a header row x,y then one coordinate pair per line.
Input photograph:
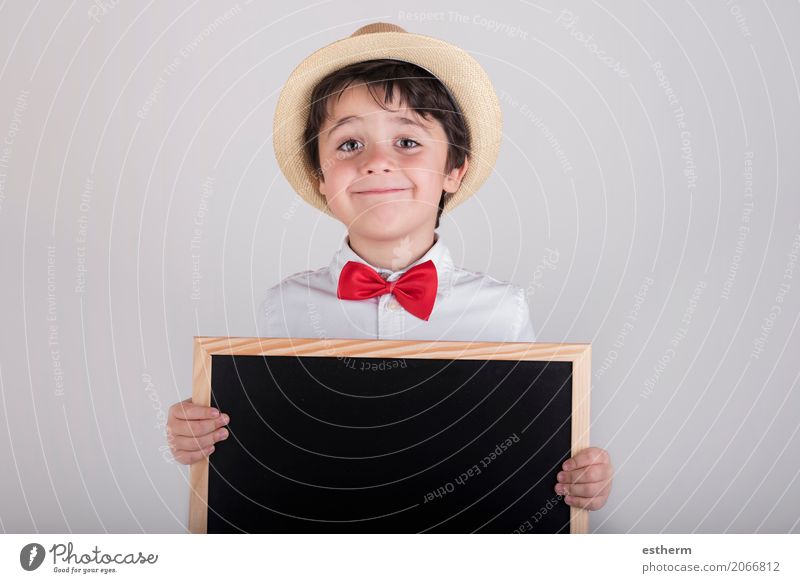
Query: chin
x,y
389,220
376,229
383,228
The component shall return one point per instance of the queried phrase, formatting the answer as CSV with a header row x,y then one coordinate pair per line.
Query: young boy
x,y
394,129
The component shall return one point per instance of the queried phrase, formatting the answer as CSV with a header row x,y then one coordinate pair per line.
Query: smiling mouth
x,y
381,191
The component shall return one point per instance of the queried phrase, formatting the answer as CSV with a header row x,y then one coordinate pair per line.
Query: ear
x,y
322,188
453,179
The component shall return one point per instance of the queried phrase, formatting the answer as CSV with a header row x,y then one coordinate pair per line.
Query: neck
x,y
392,254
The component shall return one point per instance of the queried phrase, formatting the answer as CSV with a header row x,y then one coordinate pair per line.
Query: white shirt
x,y
469,306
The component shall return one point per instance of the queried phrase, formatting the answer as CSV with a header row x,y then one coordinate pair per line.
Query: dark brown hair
x,y
418,89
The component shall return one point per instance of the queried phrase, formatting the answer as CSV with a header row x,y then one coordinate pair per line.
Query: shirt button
x,y
392,304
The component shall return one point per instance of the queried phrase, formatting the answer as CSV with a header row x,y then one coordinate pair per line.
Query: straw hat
x,y
459,72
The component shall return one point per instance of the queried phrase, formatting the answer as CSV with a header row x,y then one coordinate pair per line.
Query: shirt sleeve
x,y
524,326
262,317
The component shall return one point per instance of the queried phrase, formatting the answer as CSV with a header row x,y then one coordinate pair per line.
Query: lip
x,y
381,191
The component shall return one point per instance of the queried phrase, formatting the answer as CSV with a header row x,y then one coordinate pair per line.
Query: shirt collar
x,y
438,253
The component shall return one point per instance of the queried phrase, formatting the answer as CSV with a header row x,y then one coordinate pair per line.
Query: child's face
x,y
383,170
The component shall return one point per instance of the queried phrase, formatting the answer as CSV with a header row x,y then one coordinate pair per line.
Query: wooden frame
x,y
204,347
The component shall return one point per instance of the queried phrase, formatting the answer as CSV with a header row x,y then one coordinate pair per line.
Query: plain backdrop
x,y
646,196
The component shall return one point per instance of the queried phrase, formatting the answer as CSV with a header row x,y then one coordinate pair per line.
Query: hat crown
x,y
378,27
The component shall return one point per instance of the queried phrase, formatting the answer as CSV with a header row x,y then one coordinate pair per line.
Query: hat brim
x,y
461,73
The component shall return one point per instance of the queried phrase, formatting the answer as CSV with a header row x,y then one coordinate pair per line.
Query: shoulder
x,y
299,280
290,292
292,287
505,301
483,286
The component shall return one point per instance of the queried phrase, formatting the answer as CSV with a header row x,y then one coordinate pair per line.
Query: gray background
x,y
136,158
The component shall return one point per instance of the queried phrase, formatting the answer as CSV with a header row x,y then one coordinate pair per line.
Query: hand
x,y
192,431
586,479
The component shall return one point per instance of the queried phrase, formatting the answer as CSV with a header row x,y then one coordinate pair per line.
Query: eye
x,y
345,145
407,140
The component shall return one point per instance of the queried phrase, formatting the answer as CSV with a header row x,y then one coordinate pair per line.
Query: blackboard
x,y
375,436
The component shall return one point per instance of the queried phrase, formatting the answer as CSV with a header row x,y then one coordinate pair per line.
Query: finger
x,y
197,443
188,410
598,489
593,473
182,428
586,457
595,503
190,457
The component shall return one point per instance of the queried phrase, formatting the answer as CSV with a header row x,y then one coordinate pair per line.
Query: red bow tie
x,y
415,290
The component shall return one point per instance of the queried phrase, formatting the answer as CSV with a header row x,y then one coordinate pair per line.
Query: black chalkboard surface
x,y
340,443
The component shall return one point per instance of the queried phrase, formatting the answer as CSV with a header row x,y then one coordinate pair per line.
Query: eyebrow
x,y
401,120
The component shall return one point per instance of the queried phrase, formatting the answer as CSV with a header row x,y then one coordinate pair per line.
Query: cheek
x,y
341,168
428,171
336,175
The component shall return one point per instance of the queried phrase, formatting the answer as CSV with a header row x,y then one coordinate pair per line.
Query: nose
x,y
377,160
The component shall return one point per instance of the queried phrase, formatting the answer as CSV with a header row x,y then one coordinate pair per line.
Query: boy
x,y
395,129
